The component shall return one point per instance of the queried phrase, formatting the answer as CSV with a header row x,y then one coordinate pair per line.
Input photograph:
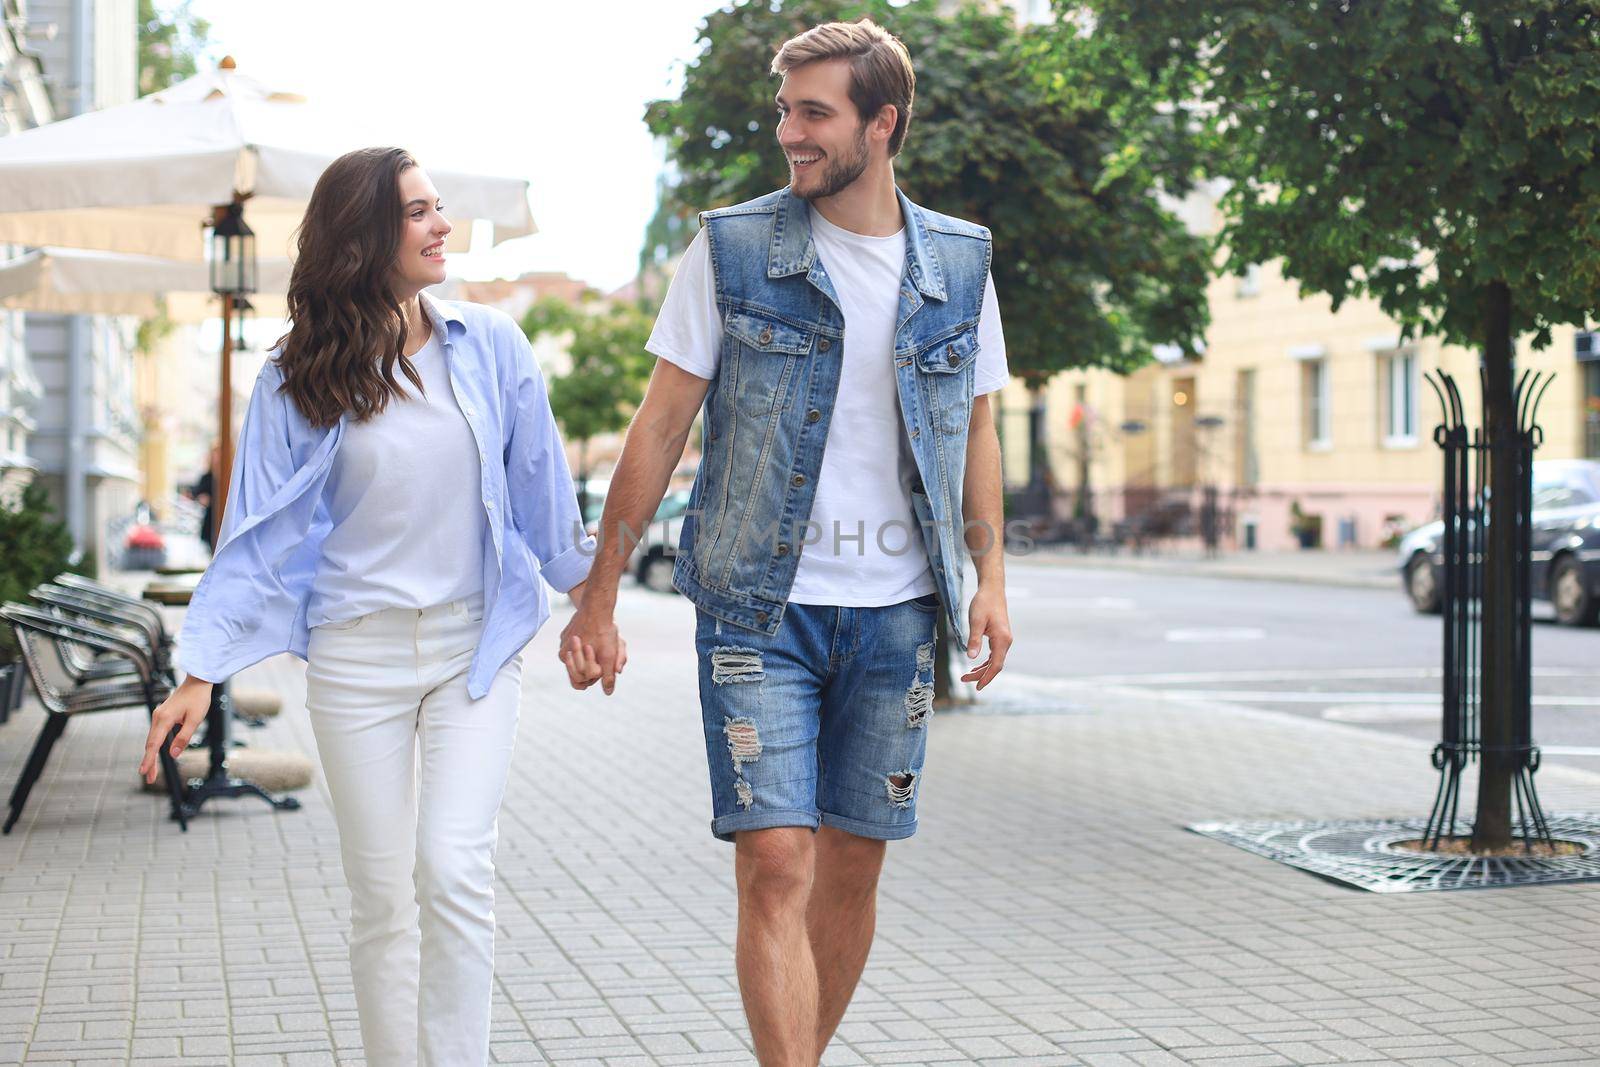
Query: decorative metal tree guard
x,y
1466,516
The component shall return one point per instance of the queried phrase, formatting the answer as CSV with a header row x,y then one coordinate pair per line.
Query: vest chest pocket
x,y
766,355
946,372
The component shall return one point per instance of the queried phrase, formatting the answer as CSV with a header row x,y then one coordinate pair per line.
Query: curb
x,y
1196,569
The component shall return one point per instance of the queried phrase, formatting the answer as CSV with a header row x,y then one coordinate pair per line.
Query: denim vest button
x,y
783,549
952,358
766,335
824,344
798,480
761,616
813,415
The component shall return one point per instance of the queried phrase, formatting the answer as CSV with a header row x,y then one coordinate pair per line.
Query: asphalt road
x,y
1351,655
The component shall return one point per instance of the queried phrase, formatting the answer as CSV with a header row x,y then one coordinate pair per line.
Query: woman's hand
x,y
184,708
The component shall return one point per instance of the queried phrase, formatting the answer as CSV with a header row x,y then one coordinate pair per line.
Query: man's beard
x,y
838,174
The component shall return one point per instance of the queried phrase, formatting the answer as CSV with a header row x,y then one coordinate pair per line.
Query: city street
x,y
1344,654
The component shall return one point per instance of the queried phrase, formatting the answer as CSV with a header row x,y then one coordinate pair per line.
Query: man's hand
x,y
592,650
986,616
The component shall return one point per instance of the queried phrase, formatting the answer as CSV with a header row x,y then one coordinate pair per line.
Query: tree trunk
x,y
945,646
1035,502
1087,522
583,478
1497,767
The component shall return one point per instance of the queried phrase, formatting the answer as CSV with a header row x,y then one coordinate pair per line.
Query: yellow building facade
x,y
1293,410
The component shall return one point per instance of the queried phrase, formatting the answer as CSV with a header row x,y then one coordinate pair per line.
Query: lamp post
x,y
232,255
243,311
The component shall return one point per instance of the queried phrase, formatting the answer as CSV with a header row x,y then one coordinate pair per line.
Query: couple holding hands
x,y
400,499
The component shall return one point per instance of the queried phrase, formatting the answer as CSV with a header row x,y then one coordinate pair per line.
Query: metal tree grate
x,y
1362,854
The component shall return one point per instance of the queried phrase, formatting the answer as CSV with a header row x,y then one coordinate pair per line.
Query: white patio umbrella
x,y
147,177
75,281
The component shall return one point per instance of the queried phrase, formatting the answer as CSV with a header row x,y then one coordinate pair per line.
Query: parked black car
x,y
1565,564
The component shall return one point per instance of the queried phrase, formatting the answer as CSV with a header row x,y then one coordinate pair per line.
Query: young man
x,y
842,339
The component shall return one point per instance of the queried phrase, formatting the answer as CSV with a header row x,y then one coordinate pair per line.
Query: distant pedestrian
x,y
841,340
205,493
399,498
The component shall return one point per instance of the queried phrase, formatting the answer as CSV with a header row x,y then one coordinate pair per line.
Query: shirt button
x,y
798,480
813,415
489,504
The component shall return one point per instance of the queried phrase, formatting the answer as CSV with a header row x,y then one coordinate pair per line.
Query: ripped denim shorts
x,y
824,723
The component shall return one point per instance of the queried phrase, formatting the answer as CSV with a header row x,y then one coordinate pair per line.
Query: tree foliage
x,y
609,368
171,43
1417,151
1090,268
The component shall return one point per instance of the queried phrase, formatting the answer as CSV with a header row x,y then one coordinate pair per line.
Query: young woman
x,y
398,501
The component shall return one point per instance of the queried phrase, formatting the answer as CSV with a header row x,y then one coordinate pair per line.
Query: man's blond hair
x,y
880,67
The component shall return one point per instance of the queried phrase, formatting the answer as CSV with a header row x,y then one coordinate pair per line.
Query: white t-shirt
x,y
408,522
857,493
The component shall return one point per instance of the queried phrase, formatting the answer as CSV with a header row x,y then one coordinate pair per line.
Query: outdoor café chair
x,y
42,636
98,611
113,597
87,664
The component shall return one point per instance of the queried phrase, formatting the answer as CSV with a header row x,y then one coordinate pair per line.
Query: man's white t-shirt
x,y
863,548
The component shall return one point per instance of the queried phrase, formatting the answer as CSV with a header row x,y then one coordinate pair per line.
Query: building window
x,y
1398,376
1245,420
1248,284
1591,410
1586,347
1317,420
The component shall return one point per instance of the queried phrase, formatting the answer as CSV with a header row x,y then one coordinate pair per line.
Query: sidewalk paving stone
x,y
1052,910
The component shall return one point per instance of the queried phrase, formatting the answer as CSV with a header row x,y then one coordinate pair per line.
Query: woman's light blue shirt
x,y
251,603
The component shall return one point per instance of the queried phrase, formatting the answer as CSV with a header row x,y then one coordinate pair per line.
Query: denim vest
x,y
768,408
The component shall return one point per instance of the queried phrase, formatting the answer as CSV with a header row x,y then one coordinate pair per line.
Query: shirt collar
x,y
792,250
444,313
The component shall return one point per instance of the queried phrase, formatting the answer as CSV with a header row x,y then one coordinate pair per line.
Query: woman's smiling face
x,y
420,261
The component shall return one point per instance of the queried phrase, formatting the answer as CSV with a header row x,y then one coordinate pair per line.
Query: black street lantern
x,y
233,252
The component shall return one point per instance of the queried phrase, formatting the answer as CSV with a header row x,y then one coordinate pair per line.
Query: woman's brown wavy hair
x,y
347,331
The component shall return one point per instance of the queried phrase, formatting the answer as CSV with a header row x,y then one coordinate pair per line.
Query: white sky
x,y
553,92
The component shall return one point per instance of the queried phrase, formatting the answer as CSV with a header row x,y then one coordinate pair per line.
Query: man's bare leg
x,y
777,976
840,920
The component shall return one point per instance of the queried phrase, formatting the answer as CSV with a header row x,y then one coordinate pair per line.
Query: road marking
x,y
1382,713
1104,603
1328,674
1208,635
1259,696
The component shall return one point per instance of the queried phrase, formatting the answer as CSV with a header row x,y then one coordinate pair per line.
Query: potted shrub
x,y
38,547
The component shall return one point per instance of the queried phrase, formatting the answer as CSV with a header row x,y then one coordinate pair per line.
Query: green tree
x,y
599,392
1437,155
1008,131
171,43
